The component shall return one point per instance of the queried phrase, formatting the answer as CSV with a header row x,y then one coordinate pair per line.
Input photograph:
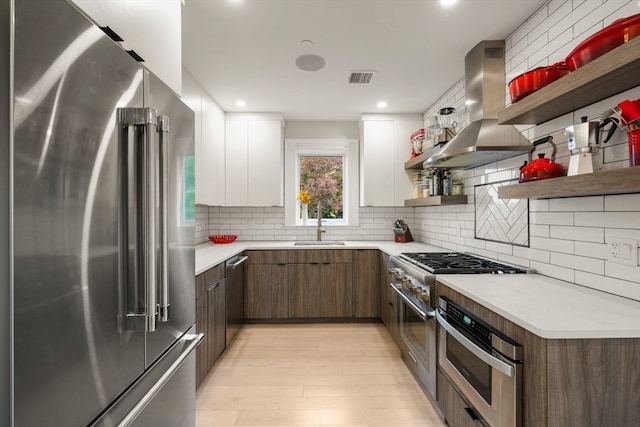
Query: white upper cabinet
x,y
209,142
152,28
253,160
384,147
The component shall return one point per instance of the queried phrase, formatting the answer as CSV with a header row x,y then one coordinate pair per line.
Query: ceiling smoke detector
x,y
361,77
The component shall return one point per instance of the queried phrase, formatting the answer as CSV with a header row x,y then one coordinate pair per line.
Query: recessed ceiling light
x,y
382,104
447,3
240,103
310,62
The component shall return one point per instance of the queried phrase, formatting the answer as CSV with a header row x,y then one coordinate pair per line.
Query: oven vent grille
x,y
361,77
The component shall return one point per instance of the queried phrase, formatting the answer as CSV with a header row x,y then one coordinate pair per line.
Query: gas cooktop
x,y
458,263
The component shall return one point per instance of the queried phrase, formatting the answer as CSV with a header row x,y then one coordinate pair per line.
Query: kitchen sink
x,y
317,243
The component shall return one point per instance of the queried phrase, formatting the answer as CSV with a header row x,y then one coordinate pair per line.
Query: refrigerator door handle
x,y
163,224
146,399
140,151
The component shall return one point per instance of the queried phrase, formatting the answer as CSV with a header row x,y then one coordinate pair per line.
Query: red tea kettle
x,y
541,168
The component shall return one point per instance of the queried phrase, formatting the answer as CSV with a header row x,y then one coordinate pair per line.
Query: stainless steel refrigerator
x,y
103,231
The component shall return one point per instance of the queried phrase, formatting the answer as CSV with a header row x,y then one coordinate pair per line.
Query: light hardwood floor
x,y
347,375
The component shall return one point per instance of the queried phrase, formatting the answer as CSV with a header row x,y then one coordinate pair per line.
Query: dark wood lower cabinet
x,y
210,319
366,289
313,284
336,290
217,321
267,293
305,290
202,325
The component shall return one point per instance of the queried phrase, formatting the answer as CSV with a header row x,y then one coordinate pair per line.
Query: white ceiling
x,y
246,49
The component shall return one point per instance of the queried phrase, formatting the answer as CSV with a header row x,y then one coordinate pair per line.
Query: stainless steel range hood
x,y
483,140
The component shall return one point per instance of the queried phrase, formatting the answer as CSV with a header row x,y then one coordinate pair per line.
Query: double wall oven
x,y
483,370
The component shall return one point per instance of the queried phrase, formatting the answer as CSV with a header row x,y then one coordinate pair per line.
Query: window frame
x,y
348,148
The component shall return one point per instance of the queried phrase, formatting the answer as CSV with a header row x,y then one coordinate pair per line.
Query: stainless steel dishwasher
x,y
235,294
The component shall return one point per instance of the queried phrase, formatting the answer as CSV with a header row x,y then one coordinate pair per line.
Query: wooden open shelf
x,y
612,73
416,162
617,181
437,201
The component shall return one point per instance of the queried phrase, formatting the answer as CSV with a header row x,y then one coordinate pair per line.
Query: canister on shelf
x,y
456,189
446,183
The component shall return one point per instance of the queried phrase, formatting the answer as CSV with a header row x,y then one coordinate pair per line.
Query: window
x,y
327,172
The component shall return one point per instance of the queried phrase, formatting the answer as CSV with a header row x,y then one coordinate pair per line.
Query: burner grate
x,y
458,263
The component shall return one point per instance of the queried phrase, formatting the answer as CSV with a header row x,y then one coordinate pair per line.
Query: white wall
x,y
321,130
568,236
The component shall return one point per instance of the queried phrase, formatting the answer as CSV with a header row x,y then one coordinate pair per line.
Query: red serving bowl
x,y
610,37
223,238
529,82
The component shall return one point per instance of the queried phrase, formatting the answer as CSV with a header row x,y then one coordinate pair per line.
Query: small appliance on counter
x,y
542,167
583,141
401,231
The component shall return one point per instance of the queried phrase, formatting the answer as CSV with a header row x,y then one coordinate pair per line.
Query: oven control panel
x,y
472,325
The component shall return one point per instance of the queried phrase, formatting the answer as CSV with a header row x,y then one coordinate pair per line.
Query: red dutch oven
x,y
529,82
541,168
610,37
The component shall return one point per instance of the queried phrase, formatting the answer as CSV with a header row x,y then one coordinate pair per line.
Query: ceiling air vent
x,y
361,77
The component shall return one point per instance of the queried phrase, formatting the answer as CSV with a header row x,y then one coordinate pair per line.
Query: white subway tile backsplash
x,y
608,219
622,271
592,250
552,218
531,254
591,265
554,245
622,203
556,271
585,234
609,284
595,203
539,230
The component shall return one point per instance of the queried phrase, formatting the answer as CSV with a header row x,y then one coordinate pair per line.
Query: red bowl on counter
x,y
529,82
223,238
610,37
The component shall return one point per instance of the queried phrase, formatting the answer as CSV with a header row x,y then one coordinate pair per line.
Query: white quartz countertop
x,y
550,308
544,306
210,254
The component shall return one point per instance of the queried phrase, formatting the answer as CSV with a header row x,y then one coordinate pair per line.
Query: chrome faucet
x,y
319,230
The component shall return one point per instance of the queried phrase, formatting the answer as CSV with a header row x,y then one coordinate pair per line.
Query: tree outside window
x,y
322,178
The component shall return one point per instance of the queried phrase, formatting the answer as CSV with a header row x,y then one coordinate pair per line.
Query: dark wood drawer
x,y
302,256
267,257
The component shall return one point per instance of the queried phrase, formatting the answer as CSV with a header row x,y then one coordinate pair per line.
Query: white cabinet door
x,y
253,163
152,28
236,162
213,161
376,185
265,161
209,142
385,147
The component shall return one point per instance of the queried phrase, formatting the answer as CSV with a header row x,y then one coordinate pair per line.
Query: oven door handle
x,y
429,314
477,351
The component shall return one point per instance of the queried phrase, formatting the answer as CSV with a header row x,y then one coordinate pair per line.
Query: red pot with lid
x,y
610,37
529,82
542,167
